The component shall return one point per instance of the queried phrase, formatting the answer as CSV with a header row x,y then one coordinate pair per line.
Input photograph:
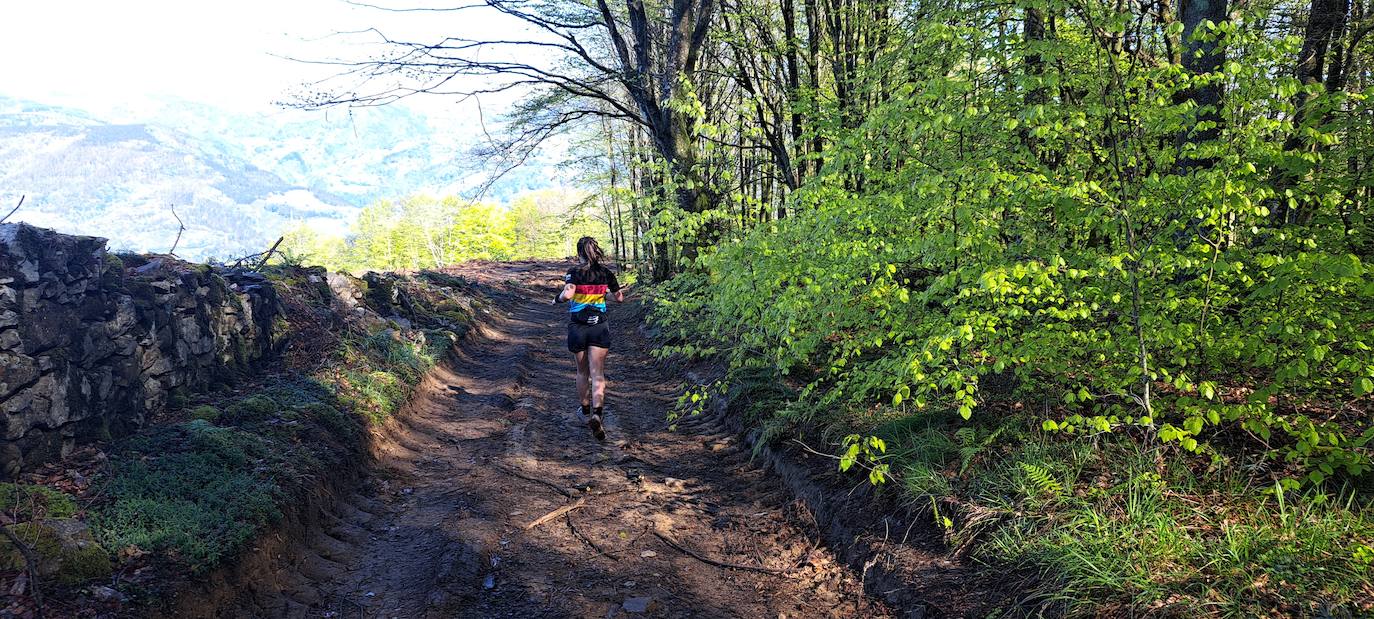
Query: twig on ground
x,y
181,227
13,210
709,561
555,487
557,512
587,540
30,566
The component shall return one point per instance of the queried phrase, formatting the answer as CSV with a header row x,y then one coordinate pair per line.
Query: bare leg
x,y
597,365
583,378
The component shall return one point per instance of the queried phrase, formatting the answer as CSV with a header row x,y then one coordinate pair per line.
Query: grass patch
x,y
1109,523
382,369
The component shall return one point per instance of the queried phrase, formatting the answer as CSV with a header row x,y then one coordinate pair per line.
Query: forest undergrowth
x,y
1098,325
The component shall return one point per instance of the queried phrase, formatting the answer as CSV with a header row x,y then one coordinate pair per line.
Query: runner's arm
x,y
565,294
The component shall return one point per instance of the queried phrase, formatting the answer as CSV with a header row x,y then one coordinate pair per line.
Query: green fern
x,y
970,445
1043,480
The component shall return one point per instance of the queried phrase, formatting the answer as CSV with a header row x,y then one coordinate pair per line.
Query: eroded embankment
x,y
256,400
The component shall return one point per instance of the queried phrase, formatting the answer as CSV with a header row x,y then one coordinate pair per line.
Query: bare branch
x,y
181,227
415,9
30,563
13,210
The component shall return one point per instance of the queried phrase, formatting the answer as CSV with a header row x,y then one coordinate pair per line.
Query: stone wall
x,y
91,343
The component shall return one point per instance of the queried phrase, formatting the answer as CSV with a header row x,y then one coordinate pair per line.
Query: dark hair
x,y
591,253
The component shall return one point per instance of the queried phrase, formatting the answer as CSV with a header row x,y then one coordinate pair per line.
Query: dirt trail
x,y
493,442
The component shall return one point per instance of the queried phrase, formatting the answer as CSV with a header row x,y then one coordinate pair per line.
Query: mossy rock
x,y
206,412
251,409
64,547
25,502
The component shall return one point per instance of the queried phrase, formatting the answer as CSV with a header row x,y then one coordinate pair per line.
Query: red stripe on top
x,y
591,289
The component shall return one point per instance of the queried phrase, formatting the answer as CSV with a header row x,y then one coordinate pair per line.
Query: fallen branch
x,y
707,560
30,560
587,540
268,255
259,259
556,513
536,480
13,210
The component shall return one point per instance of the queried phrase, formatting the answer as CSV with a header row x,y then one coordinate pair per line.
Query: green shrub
x,y
205,412
294,392
178,399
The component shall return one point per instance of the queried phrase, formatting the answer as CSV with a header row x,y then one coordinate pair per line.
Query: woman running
x,y
589,337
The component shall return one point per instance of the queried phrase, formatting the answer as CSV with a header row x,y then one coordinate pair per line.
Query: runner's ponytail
x,y
591,255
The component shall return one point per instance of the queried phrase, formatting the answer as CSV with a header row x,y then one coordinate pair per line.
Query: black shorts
x,y
581,336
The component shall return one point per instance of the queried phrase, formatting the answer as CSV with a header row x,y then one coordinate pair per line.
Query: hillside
x,y
237,180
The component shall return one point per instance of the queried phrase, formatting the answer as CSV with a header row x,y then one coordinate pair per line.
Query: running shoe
x,y
594,422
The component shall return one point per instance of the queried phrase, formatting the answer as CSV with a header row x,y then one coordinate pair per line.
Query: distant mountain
x,y
236,180
122,182
361,155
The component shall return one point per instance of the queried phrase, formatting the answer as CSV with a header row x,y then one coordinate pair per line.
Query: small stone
x,y
638,605
106,594
489,582
648,554
152,265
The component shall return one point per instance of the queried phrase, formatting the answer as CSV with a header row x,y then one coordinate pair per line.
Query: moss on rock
x,y
64,547
26,502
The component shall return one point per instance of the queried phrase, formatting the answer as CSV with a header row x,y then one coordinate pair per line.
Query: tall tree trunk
x,y
1325,22
789,27
1202,54
1033,33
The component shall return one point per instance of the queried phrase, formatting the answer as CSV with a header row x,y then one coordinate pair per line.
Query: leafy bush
x,y
1108,268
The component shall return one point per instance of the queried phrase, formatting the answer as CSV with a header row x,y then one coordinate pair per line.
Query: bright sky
x,y
102,54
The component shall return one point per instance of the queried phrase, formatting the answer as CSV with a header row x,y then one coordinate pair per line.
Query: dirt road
x,y
492,499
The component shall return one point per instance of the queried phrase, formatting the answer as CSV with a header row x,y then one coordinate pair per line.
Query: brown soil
x,y
493,442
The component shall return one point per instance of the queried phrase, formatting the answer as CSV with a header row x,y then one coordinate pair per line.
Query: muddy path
x,y
491,498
